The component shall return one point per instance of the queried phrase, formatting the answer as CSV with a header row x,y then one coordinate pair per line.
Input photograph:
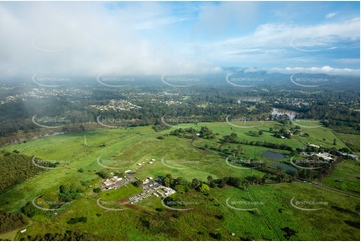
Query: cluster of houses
x,y
112,183
327,156
323,156
156,189
151,188
116,105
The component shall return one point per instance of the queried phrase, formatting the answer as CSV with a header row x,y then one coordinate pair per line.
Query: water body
x,y
273,155
286,168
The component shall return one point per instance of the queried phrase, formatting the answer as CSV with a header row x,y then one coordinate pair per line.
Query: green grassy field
x,y
210,214
349,172
352,140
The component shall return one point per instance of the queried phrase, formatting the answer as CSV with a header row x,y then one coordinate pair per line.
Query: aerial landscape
x,y
180,121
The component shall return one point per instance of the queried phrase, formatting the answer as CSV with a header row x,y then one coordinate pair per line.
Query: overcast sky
x,y
146,38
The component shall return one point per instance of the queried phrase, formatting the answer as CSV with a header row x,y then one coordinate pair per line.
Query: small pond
x,y
286,168
273,155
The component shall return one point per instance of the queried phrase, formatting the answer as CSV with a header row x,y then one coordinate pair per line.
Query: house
x,y
354,157
152,159
156,185
351,156
150,162
312,145
168,191
160,193
324,156
22,231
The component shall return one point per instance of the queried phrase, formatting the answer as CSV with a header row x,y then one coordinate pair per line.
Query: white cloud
x,y
348,60
97,39
317,70
128,40
330,15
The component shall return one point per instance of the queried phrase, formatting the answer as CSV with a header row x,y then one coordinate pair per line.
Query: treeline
x,y
181,185
11,221
204,133
232,138
68,236
17,115
15,169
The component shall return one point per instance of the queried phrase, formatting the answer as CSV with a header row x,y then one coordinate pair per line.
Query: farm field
x,y
209,215
349,172
351,139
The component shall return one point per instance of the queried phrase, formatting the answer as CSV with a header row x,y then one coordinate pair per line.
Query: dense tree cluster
x,y
11,221
77,220
70,192
15,169
190,133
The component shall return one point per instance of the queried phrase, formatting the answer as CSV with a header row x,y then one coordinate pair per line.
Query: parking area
x,y
139,197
